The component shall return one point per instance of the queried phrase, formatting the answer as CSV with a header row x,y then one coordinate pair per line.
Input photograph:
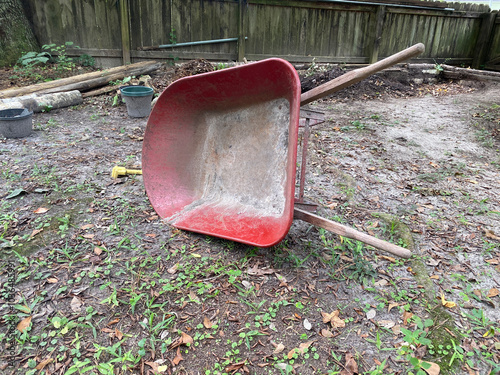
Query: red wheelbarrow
x,y
220,148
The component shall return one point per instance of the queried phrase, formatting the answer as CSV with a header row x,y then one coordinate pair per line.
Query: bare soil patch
x,y
100,283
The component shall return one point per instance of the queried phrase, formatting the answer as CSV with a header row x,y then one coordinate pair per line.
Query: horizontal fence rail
x,y
328,31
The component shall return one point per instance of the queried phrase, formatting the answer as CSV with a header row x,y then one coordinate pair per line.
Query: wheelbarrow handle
x,y
348,232
354,76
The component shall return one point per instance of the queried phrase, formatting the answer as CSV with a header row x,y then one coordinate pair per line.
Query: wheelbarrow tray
x,y
219,152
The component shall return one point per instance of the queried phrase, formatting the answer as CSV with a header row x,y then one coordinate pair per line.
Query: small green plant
x,y
64,62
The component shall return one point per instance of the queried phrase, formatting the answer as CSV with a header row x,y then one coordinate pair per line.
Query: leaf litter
x,y
178,301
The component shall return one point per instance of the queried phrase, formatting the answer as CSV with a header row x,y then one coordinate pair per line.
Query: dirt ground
x,y
99,284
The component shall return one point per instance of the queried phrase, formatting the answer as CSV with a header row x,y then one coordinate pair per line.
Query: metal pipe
x,y
389,5
213,41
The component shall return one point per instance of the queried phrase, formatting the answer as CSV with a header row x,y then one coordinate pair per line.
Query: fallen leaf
x,y
256,271
173,269
76,304
490,234
183,340
392,305
434,368
52,280
16,193
41,210
35,232
386,323
326,333
236,366
178,357
89,236
118,334
493,261
157,369
351,367
152,235
194,255
493,293
114,321
207,323
445,303
279,348
44,363
87,226
307,324
97,250
333,319
23,324
300,350
406,315
371,314
381,282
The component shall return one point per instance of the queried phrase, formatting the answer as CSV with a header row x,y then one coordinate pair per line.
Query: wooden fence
x,y
334,31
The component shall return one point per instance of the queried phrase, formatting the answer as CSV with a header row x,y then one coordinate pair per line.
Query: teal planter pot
x,y
138,100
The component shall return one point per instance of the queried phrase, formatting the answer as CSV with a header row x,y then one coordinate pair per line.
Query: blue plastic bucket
x,y
16,122
138,100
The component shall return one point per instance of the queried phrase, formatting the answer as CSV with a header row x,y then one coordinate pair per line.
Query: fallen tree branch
x,y
39,103
453,72
83,82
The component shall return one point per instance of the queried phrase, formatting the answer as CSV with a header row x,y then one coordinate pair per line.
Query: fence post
x,y
484,39
241,29
379,19
125,30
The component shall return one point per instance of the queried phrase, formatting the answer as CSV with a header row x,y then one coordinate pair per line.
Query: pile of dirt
x,y
386,84
192,68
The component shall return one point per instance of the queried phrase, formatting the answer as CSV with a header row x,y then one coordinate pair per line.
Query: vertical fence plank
x,y
377,35
484,41
125,31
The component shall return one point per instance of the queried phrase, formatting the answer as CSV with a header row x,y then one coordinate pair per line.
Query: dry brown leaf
x,y
351,367
236,366
118,334
52,280
76,304
433,370
97,250
279,348
178,357
333,319
256,271
493,292
35,232
114,321
207,323
23,324
183,340
326,333
87,226
41,210
173,269
392,305
490,234
44,363
300,350
406,315
493,261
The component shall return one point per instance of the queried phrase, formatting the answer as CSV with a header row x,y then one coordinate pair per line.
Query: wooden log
x,y
120,72
102,90
100,81
453,72
348,232
39,103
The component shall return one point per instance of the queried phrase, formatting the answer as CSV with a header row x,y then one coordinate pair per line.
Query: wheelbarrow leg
x,y
348,232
